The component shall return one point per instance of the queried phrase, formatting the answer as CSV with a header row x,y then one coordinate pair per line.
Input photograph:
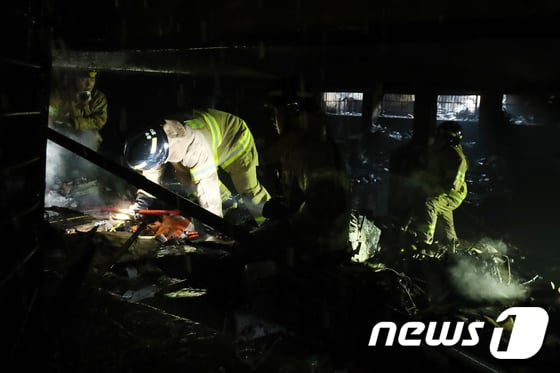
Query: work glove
x,y
133,210
142,202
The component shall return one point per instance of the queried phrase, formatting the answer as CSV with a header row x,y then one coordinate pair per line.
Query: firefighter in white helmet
x,y
196,146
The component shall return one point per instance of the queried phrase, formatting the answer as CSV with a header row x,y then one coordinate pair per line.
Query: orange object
x,y
170,226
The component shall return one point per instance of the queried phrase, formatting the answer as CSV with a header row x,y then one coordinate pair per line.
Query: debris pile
x,y
149,278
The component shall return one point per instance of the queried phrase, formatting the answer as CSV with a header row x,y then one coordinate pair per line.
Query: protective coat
x,y
314,179
212,139
445,190
316,186
82,121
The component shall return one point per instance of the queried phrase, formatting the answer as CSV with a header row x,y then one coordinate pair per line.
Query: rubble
x,y
326,312
149,296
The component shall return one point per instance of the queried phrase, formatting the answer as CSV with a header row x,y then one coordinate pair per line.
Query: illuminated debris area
x,y
167,304
152,279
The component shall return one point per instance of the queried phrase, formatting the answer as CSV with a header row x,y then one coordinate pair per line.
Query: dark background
x,y
157,57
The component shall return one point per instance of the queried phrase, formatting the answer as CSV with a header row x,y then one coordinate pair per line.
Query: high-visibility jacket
x,y
79,118
448,167
445,188
213,139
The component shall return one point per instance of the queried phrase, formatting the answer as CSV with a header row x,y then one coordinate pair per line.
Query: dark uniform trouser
x,y
438,210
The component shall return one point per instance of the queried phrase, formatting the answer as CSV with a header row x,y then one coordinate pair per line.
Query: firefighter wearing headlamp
x,y
78,109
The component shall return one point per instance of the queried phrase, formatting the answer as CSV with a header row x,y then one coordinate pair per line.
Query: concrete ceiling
x,y
406,44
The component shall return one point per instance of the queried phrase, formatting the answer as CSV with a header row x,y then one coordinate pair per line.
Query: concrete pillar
x,y
425,110
490,121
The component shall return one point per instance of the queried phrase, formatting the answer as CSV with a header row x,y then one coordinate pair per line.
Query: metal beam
x,y
189,208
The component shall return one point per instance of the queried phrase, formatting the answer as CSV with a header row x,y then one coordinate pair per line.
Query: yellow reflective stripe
x,y
202,171
195,124
260,219
460,178
458,191
426,232
427,228
215,132
241,147
458,195
431,229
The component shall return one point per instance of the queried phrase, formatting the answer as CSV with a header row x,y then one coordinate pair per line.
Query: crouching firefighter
x,y
196,147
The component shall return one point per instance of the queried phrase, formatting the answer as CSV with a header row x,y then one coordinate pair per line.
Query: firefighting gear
x,y
172,226
445,186
78,118
212,139
147,149
452,131
88,73
316,187
439,210
404,186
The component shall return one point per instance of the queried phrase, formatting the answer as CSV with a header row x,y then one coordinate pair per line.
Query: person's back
x,y
404,186
316,188
235,153
197,144
313,172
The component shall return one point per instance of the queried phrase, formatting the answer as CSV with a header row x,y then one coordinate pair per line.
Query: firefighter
x,y
444,188
312,212
196,146
79,109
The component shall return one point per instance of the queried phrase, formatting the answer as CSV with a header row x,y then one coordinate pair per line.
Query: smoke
x,y
70,180
486,276
54,160
64,172
492,246
64,165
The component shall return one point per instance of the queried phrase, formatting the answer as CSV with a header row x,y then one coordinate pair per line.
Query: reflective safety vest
x,y
226,149
459,190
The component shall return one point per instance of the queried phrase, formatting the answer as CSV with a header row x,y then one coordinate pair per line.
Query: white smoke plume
x,y
53,162
64,164
486,277
72,181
